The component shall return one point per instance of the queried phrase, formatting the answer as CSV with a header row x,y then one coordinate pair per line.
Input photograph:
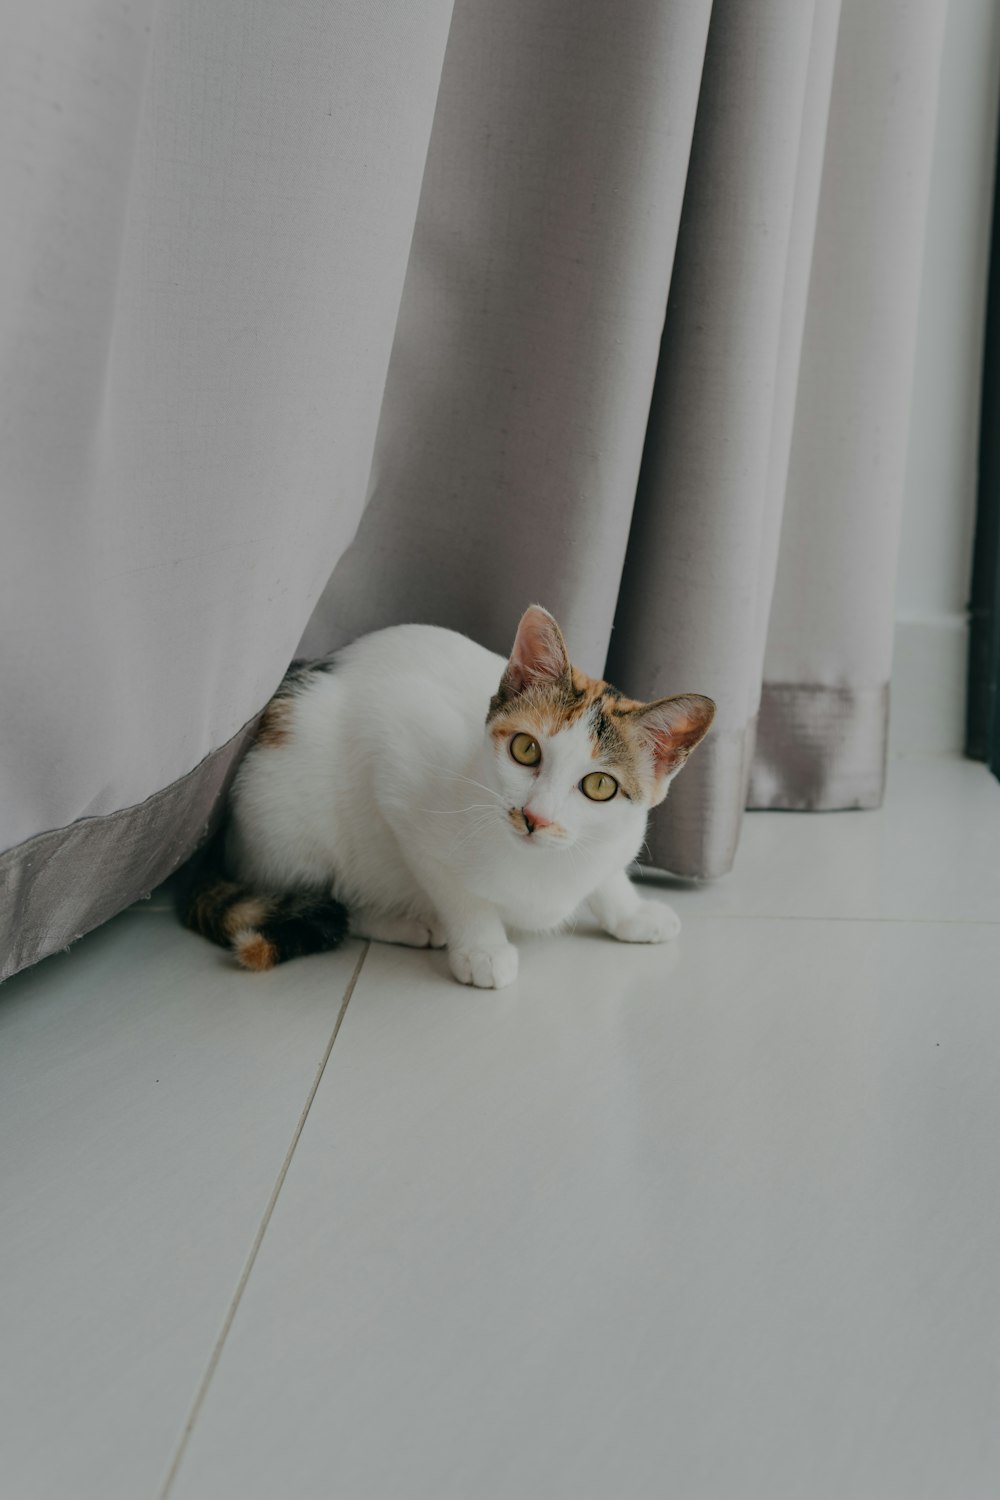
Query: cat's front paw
x,y
486,968
650,922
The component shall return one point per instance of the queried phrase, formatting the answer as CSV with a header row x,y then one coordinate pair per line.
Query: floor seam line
x,y
759,916
258,1240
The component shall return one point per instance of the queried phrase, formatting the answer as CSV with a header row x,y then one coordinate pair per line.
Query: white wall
x,y
939,506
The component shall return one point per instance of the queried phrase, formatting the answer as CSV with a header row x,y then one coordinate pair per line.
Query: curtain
x,y
318,318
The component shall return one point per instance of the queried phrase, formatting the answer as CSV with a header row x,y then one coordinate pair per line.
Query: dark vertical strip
x,y
982,740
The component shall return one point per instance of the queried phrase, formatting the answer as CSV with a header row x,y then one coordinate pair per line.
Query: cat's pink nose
x,y
533,820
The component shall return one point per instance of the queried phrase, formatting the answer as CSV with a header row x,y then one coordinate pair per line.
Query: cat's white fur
x,y
391,794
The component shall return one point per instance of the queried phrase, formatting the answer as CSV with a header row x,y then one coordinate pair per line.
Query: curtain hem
x,y
820,749
60,884
811,748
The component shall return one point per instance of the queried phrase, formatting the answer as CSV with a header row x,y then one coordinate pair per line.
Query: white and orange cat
x,y
415,788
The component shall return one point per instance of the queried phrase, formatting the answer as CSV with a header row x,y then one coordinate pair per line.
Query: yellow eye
x,y
525,750
599,786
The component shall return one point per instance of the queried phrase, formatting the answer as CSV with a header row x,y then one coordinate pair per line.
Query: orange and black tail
x,y
259,930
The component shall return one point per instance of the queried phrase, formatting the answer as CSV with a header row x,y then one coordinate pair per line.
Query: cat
x,y
416,788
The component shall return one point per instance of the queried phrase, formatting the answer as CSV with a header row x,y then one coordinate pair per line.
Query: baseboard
x,y
927,714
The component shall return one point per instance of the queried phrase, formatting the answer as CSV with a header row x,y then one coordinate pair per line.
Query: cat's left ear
x,y
539,655
672,727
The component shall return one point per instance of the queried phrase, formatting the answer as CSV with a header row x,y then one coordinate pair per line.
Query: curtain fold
x,y
516,406
313,319
208,215
773,480
701,557
830,628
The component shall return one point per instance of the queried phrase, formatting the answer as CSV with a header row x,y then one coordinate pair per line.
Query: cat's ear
x,y
671,727
539,655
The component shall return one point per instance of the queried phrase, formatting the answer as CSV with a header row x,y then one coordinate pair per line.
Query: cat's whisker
x,y
498,797
460,776
465,845
453,812
477,827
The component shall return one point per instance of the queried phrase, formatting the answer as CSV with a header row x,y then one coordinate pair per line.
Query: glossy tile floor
x,y
712,1220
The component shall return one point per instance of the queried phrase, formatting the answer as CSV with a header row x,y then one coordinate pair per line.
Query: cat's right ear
x,y
539,656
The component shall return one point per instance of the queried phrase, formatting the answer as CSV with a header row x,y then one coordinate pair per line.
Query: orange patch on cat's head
x,y
544,712
541,693
538,711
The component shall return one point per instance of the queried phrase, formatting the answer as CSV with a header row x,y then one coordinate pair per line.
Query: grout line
x,y
216,1354
765,916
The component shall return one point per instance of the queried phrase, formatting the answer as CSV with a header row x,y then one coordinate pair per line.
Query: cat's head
x,y
575,760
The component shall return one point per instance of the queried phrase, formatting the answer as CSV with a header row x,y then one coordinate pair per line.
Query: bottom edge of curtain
x,y
61,884
810,748
820,749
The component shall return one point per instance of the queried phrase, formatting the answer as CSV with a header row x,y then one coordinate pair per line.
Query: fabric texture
x,y
314,319
58,885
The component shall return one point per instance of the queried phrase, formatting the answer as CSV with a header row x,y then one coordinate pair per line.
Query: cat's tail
x,y
259,930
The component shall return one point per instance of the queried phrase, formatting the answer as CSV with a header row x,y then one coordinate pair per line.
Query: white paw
x,y
412,934
486,968
409,932
652,922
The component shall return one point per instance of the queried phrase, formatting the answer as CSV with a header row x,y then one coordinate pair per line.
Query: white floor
x,y
720,1219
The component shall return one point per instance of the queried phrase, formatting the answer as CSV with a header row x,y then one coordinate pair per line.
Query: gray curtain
x,y
316,318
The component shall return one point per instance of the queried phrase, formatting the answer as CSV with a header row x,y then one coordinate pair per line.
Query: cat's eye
x,y
525,750
599,786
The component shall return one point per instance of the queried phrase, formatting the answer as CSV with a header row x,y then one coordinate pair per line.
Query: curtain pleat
x,y
516,406
830,627
318,318
698,574
208,215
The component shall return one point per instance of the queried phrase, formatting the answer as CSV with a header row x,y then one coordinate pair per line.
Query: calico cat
x,y
421,790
